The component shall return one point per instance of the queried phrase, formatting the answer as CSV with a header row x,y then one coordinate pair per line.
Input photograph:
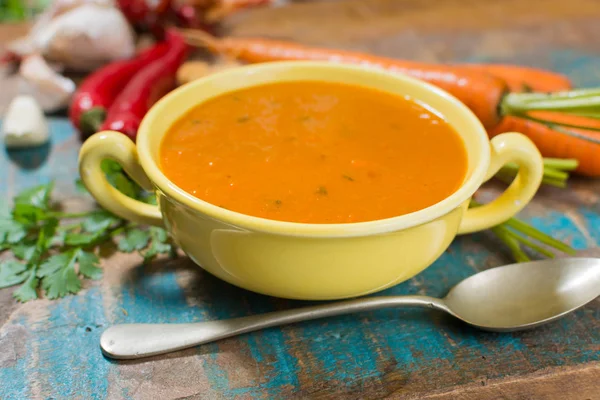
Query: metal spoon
x,y
504,299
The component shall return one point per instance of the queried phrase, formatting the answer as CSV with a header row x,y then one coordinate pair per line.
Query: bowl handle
x,y
507,148
118,147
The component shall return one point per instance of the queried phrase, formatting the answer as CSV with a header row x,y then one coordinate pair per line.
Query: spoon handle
x,y
129,341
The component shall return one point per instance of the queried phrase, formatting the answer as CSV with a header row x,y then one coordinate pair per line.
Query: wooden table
x,y
49,349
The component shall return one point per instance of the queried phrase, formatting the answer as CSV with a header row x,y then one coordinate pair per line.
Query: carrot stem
x,y
561,184
555,174
555,171
512,243
538,235
559,104
530,244
507,177
548,172
561,95
561,164
507,233
580,103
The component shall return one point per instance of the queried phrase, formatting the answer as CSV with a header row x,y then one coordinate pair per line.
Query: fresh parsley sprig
x,y
54,250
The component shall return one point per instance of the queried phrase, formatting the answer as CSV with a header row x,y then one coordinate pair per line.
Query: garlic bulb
x,y
24,124
25,45
79,34
87,37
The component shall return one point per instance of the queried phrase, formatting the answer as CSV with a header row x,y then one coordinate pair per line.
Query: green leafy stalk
x,y
579,103
528,243
561,164
55,258
556,171
517,234
512,243
528,230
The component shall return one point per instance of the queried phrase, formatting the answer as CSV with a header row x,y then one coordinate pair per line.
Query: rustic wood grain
x,y
49,349
557,383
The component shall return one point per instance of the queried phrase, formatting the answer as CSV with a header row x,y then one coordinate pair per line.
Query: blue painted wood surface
x,y
49,349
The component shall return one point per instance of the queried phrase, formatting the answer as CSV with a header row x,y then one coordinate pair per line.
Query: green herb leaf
x,y
134,239
155,249
149,198
124,185
158,245
53,264
31,229
158,234
24,251
88,265
110,166
28,214
11,231
45,237
28,291
117,178
64,279
81,239
38,196
59,275
12,272
99,221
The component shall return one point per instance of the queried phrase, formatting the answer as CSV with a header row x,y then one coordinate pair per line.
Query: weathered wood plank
x,y
549,384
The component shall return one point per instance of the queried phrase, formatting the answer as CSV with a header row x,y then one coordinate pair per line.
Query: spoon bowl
x,y
513,297
525,295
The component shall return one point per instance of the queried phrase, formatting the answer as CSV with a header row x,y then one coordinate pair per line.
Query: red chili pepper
x,y
146,88
98,91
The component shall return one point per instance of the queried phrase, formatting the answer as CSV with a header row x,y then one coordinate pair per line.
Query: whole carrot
x,y
554,141
475,89
487,96
145,88
524,79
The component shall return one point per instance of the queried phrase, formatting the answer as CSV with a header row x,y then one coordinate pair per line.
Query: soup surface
x,y
314,152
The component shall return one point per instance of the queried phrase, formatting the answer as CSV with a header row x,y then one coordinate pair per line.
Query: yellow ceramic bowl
x,y
310,261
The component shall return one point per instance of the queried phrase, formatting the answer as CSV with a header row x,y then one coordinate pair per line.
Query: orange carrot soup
x,y
314,152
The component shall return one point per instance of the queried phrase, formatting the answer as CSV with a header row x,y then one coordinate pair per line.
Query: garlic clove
x,y
49,88
35,69
24,124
